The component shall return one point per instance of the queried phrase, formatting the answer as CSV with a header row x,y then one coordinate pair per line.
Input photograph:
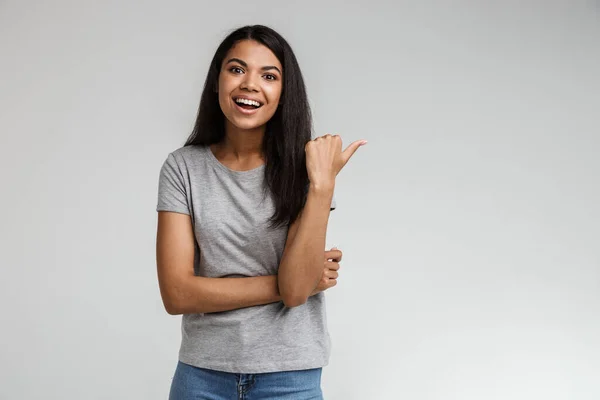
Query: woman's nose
x,y
249,83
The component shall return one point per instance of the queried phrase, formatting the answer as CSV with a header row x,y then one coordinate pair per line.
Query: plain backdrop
x,y
469,223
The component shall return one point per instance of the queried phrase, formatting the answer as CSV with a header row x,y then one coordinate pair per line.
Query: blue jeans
x,y
196,383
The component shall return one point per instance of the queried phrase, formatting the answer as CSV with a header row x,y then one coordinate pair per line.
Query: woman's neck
x,y
240,149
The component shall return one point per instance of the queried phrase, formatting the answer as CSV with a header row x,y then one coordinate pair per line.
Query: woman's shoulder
x,y
190,151
187,155
185,160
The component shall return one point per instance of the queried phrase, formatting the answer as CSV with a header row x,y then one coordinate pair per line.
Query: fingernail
x,y
363,142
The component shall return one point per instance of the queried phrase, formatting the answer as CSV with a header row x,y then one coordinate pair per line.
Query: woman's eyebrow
x,y
270,67
245,65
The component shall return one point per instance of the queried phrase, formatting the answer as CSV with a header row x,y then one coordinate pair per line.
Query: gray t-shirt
x,y
229,213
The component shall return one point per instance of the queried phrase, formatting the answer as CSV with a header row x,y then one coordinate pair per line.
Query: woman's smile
x,y
247,105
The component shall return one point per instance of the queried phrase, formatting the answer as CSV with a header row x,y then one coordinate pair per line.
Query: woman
x,y
243,212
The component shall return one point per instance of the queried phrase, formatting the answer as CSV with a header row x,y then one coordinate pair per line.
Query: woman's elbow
x,y
294,301
172,307
290,295
173,303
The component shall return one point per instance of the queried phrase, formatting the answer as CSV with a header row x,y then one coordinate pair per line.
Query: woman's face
x,y
250,84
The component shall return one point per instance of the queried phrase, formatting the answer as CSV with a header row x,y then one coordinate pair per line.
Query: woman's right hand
x,y
330,271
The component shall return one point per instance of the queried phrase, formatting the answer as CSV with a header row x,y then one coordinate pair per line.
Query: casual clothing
x,y
230,211
192,382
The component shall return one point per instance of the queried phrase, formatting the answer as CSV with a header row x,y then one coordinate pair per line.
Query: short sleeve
x,y
171,188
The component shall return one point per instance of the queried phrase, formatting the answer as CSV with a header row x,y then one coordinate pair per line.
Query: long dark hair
x,y
286,134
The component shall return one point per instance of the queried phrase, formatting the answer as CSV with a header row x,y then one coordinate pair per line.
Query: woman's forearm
x,y
302,263
197,294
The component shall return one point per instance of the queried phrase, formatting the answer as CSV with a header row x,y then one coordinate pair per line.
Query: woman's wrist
x,y
322,189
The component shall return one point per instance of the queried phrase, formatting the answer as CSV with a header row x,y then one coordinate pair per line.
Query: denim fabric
x,y
196,383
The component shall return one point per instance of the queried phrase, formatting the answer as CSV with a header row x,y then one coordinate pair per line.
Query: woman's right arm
x,y
183,292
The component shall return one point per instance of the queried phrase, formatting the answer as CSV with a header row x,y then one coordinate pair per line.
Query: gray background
x,y
469,223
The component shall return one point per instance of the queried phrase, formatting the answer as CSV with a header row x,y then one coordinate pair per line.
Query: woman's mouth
x,y
246,106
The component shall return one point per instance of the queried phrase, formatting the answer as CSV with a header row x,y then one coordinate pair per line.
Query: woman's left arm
x,y
301,265
302,261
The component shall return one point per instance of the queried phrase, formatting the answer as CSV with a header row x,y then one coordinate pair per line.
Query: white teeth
x,y
248,102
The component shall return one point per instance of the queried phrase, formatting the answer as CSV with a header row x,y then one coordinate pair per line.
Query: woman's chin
x,y
246,125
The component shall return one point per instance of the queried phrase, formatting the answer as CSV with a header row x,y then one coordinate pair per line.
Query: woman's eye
x,y
270,77
236,69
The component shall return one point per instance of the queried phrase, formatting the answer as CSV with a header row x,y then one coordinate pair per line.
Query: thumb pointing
x,y
351,149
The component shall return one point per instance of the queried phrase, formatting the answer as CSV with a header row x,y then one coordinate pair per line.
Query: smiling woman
x,y
243,213
249,85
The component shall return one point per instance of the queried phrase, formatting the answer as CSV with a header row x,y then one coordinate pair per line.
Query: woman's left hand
x,y
325,158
